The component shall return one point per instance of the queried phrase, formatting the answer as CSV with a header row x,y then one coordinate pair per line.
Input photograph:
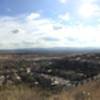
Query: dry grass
x,y
90,91
23,93
27,93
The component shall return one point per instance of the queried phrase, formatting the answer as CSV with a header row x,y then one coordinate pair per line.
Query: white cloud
x,y
63,1
89,1
65,17
33,16
33,30
88,9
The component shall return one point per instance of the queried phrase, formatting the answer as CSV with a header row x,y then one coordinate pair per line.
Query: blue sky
x,y
49,23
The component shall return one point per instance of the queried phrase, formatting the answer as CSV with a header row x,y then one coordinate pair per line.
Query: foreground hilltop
x,y
89,91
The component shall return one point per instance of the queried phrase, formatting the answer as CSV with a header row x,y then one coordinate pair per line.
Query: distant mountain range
x,y
56,50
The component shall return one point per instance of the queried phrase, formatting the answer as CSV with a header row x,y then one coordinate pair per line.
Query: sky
x,y
49,23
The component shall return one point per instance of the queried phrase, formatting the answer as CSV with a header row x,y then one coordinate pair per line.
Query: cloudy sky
x,y
49,23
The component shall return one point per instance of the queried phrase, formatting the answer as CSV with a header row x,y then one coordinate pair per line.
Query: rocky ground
x,y
49,72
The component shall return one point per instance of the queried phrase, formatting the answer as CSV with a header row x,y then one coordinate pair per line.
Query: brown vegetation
x,y
90,91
